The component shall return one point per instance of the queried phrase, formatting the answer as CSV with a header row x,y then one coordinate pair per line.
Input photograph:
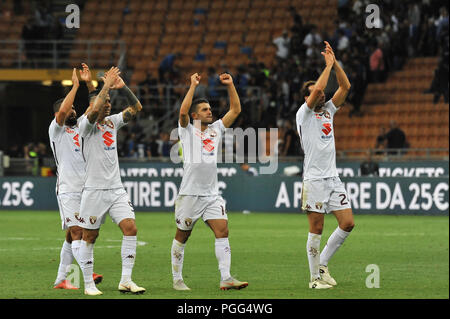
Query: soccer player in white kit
x,y
198,196
65,144
322,192
103,191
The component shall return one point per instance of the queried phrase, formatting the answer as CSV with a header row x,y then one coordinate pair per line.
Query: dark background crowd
x,y
270,96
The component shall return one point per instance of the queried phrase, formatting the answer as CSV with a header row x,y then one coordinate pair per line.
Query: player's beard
x,y
71,121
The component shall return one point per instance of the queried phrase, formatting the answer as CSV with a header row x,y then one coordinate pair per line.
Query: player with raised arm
x,y
198,196
65,144
103,191
323,192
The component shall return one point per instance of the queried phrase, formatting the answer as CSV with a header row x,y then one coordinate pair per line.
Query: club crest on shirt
x,y
100,127
326,114
212,133
110,124
319,205
92,219
188,222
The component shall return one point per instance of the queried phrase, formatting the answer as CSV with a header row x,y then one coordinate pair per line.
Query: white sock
x,y
76,250
66,259
86,260
334,242
177,253
223,255
128,253
313,251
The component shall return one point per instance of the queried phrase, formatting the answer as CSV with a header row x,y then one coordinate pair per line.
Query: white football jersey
x,y
99,149
200,158
71,169
317,140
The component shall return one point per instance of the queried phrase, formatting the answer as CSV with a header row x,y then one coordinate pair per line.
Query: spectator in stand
x,y
168,64
151,147
291,140
442,22
381,142
282,44
213,83
312,40
131,146
396,138
164,144
369,167
342,41
414,23
376,64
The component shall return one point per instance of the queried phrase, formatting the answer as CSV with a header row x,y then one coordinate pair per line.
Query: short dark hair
x,y
57,105
305,88
195,104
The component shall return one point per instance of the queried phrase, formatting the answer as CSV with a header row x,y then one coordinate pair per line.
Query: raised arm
x,y
322,81
85,75
235,104
67,103
134,105
99,102
187,101
344,84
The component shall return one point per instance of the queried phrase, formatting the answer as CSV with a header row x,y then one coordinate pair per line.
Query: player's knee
x,y
130,230
348,226
90,236
76,233
222,233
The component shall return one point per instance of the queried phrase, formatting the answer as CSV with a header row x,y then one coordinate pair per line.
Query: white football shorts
x,y
189,208
96,203
69,209
324,195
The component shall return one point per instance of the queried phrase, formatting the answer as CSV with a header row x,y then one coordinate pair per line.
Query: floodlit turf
x,y
268,251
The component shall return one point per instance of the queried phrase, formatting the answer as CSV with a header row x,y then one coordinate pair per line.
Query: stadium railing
x,y
59,53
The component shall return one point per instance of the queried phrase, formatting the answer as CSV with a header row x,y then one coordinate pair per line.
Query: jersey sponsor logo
x,y
208,145
76,140
327,128
69,130
107,138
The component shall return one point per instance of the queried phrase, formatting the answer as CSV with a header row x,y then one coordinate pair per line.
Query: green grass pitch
x,y
268,251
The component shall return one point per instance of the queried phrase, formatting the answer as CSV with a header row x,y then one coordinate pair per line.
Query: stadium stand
x,y
237,36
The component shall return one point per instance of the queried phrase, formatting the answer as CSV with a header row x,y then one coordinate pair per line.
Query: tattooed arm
x,y
134,105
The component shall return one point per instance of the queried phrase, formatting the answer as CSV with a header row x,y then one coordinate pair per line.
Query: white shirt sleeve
x,y
182,131
54,128
117,120
331,107
219,125
86,127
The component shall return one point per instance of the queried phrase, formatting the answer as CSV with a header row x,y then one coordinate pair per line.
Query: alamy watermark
x,y
234,146
373,280
73,19
373,19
